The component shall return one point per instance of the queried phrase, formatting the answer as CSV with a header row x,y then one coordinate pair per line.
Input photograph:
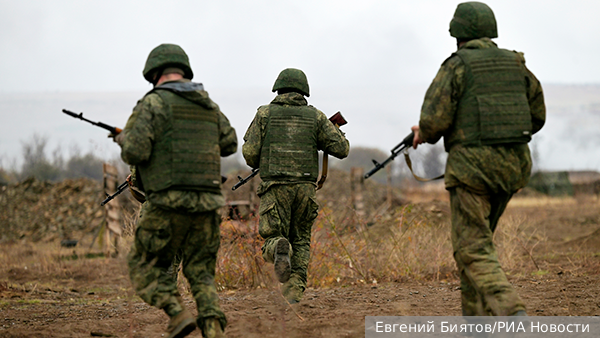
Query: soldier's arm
x,y
441,99
331,139
254,138
535,96
133,177
136,145
227,136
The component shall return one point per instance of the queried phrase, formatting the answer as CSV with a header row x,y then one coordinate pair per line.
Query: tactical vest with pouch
x,y
494,108
289,150
186,156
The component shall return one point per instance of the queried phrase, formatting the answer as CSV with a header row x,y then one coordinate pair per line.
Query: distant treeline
x,y
55,166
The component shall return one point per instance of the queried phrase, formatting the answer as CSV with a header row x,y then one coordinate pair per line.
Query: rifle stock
x,y
338,119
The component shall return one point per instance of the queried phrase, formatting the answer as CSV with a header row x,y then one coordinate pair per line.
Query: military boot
x,y
281,261
181,324
212,328
292,292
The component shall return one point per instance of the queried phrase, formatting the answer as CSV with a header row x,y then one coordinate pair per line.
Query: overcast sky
x,y
356,54
102,45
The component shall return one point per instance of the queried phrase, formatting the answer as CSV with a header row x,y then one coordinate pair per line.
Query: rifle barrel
x,y
373,171
406,143
120,189
112,129
77,116
244,180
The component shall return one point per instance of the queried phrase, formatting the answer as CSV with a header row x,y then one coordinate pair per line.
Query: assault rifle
x,y
406,143
120,189
245,179
137,194
113,130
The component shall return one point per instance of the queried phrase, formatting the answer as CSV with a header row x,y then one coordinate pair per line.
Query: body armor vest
x,y
494,108
186,155
289,150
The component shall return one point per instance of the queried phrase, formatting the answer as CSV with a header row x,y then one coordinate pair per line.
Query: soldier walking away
x,y
175,138
283,140
487,105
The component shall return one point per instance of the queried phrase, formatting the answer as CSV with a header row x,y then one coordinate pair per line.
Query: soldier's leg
x,y
150,257
274,218
199,253
304,212
174,268
472,305
477,259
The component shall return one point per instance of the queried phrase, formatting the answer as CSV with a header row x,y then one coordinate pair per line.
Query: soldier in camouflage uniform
x,y
175,138
282,141
487,105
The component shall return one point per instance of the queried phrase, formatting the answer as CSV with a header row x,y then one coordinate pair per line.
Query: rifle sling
x,y
326,156
137,194
323,171
420,179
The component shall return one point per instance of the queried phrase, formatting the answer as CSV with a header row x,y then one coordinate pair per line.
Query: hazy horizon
x,y
378,118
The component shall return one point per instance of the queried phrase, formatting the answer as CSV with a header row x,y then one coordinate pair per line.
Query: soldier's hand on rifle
x,y
118,138
417,139
128,179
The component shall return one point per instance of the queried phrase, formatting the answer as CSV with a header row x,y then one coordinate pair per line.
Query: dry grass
x,y
540,201
400,245
240,263
392,248
406,242
403,245
516,240
49,267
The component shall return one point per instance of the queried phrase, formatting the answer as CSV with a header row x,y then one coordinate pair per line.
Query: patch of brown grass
x,y
412,241
516,241
403,245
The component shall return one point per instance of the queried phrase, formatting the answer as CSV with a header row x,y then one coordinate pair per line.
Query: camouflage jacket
x,y
329,138
145,122
485,169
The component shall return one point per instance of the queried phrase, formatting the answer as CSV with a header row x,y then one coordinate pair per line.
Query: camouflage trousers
x,y
485,290
161,235
289,211
176,266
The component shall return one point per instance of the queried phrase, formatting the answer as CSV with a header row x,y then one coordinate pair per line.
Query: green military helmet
x,y
473,20
292,79
167,55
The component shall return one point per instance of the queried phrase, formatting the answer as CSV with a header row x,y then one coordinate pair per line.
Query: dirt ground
x,y
98,301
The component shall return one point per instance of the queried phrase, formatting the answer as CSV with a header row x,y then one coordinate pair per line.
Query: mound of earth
x,y
38,210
